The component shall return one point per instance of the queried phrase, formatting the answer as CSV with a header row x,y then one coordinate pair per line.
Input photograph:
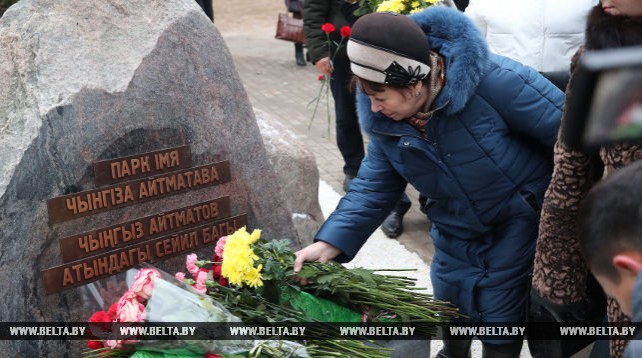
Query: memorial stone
x,y
111,84
297,171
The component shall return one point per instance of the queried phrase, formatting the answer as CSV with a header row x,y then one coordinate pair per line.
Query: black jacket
x,y
315,14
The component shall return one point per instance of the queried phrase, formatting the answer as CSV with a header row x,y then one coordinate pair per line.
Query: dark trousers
x,y
459,347
348,132
403,204
206,5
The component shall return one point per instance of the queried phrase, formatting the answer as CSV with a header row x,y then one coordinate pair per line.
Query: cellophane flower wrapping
x,y
317,308
170,301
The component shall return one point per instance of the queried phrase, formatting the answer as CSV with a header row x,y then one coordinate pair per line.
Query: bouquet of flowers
x,y
405,7
155,296
249,280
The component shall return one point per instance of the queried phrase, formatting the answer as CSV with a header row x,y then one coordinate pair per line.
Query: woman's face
x,y
631,8
394,103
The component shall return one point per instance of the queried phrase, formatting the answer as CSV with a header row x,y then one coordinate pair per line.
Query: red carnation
x,y
113,309
328,28
321,77
95,344
100,316
102,320
345,31
216,271
223,281
212,355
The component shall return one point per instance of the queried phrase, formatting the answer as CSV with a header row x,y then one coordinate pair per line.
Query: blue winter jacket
x,y
485,165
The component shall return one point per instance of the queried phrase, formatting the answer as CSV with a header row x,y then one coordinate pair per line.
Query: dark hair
x,y
610,220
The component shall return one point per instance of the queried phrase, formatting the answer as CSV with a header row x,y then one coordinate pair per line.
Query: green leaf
x,y
272,270
327,278
308,272
364,275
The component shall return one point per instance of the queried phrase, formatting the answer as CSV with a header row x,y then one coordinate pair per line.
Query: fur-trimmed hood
x,y
465,52
604,31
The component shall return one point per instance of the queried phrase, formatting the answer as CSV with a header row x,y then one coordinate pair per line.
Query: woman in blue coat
x,y
470,130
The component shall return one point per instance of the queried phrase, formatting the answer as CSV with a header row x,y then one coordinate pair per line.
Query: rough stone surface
x,y
89,80
297,173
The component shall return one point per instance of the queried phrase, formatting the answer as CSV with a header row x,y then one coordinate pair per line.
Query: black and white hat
x,y
388,48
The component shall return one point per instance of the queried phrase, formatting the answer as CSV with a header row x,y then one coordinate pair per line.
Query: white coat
x,y
542,34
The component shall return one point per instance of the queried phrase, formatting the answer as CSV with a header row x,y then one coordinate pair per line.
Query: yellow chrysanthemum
x,y
405,6
253,277
238,259
383,7
392,5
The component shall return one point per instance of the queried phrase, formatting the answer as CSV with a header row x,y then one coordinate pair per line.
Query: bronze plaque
x,y
141,165
126,233
93,268
94,201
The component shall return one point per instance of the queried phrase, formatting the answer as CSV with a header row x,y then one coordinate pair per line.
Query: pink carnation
x,y
200,282
114,343
143,285
129,309
180,276
220,246
190,263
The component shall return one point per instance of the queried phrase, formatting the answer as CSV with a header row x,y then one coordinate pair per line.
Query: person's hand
x,y
319,251
323,65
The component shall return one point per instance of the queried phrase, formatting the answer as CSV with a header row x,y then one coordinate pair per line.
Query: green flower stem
x,y
247,311
388,293
341,344
326,80
327,103
316,101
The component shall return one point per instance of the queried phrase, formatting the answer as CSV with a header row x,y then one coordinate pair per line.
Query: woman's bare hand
x,y
324,66
319,251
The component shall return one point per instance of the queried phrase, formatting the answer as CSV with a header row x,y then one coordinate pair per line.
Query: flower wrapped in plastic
x,y
249,279
155,298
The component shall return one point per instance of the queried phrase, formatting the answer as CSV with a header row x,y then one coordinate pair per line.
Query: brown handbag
x,y
289,29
